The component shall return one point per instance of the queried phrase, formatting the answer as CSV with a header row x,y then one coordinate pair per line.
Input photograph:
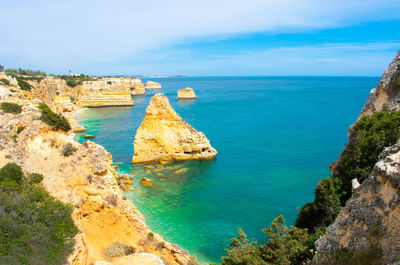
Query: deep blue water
x,y
276,137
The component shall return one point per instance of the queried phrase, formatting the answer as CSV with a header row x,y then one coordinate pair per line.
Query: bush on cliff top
x,y
57,121
11,107
5,81
24,85
35,228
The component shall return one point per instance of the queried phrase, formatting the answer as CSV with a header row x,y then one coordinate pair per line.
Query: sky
x,y
201,38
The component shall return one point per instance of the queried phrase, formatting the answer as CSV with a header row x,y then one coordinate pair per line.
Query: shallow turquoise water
x,y
276,137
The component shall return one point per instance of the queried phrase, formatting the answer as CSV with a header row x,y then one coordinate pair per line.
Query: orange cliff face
x,y
164,135
87,181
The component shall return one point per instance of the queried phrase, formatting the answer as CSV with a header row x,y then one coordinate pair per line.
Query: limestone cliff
x,y
85,179
371,217
164,135
103,93
186,93
387,95
153,85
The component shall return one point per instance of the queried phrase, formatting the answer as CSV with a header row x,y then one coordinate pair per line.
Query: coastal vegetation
x,y
23,84
1,68
25,74
68,149
11,107
5,81
35,228
57,121
76,80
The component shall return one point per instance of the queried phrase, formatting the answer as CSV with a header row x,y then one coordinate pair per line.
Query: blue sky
x,y
201,38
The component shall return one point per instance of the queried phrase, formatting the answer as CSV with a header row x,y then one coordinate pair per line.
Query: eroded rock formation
x,y
164,135
186,93
86,180
103,93
371,219
153,85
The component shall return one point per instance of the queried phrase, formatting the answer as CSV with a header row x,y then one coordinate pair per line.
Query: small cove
x,y
276,137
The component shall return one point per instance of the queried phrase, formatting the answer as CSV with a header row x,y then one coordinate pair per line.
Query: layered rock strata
x,y
103,93
87,181
153,85
164,135
186,93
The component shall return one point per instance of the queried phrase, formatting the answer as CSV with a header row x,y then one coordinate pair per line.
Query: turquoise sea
x,y
275,137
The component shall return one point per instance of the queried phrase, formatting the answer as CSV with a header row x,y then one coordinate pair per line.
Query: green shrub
x,y
24,72
35,228
68,149
109,82
35,178
24,85
20,128
323,211
368,256
57,121
11,107
282,245
117,249
5,81
11,173
1,68
373,134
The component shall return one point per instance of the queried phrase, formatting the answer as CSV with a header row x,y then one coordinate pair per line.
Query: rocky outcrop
x,y
136,87
371,219
51,91
387,95
164,135
63,103
104,92
153,85
186,93
87,181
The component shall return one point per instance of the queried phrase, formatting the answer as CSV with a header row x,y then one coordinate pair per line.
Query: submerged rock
x,y
164,135
88,136
146,182
186,93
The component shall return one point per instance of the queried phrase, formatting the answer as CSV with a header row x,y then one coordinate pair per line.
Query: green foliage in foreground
x,y
282,245
5,81
23,84
57,121
35,228
11,107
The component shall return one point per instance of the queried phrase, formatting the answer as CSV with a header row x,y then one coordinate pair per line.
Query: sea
x,y
275,137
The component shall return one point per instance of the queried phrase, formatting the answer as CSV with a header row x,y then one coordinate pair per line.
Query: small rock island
x,y
164,135
153,85
186,93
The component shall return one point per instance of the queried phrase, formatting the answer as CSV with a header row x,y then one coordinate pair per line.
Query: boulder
x,y
153,85
146,182
186,93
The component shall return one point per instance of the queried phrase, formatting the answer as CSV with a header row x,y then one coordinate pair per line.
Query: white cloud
x,y
57,35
